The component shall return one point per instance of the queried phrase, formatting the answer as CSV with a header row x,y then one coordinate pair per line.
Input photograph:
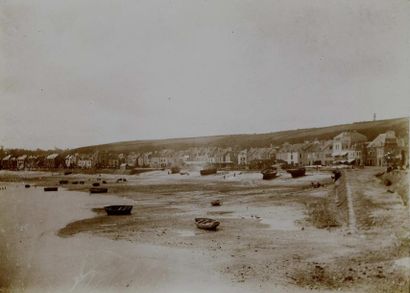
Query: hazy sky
x,y
79,72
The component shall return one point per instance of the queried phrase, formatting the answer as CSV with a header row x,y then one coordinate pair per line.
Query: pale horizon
x,y
72,75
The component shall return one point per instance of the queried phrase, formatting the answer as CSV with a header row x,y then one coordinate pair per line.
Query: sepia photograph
x,y
179,146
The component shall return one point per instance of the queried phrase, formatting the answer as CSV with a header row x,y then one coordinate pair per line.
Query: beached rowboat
x,y
269,173
298,172
50,188
98,190
208,171
206,223
116,210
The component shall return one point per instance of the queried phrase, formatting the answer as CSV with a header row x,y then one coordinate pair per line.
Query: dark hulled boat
x,y
297,172
98,190
50,188
116,210
269,173
208,171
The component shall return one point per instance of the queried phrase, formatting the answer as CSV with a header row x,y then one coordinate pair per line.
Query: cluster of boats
x,y
272,172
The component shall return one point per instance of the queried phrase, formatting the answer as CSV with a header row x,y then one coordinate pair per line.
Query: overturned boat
x,y
98,190
117,210
208,171
206,223
297,172
269,173
216,203
51,188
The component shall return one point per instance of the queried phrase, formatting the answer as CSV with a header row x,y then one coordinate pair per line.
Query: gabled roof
x,y
354,136
287,148
313,147
326,145
6,158
23,157
380,140
52,156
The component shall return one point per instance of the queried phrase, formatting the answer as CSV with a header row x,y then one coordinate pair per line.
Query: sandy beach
x,y
275,236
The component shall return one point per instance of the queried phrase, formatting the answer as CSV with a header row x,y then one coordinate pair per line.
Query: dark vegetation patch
x,y
321,213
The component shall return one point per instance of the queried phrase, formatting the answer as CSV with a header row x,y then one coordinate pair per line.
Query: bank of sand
x,y
266,243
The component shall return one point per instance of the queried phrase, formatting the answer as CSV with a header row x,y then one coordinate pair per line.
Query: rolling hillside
x,y
369,128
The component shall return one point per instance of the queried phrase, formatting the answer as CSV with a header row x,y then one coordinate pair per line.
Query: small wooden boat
x,y
116,210
206,223
175,170
74,182
216,203
98,190
269,173
297,172
63,181
27,186
208,171
68,173
80,182
51,188
96,184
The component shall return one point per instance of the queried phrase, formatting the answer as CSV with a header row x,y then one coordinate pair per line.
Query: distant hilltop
x,y
368,128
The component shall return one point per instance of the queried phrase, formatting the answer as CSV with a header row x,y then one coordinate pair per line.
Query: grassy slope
x,y
369,128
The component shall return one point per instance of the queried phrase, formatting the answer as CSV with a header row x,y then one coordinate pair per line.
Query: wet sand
x,y
62,240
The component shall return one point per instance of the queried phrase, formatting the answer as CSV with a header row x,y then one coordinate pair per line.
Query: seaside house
x,y
32,162
9,162
21,162
258,158
86,161
291,154
70,160
53,161
326,151
312,153
385,144
347,147
131,159
243,158
113,161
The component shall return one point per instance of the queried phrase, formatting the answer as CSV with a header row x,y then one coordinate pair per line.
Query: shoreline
x,y
267,235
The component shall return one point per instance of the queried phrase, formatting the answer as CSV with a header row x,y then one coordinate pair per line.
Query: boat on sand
x,y
206,223
269,173
50,188
208,171
98,190
297,172
117,210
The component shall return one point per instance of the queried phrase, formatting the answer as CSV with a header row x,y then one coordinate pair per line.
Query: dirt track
x,y
280,235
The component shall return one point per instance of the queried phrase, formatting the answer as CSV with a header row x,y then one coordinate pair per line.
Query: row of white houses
x,y
349,147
